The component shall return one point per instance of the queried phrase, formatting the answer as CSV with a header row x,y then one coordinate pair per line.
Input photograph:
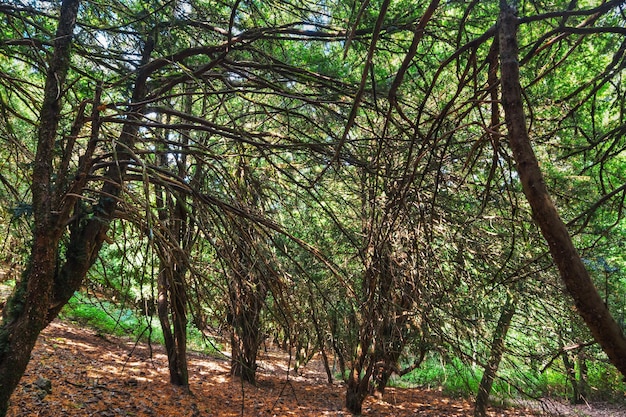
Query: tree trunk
x,y
358,383
320,342
386,357
583,383
172,299
497,350
26,312
570,372
380,378
577,280
247,303
247,293
339,353
46,285
357,390
163,309
179,317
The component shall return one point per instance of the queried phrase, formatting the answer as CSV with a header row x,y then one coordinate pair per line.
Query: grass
x,y
108,318
460,380
457,379
454,378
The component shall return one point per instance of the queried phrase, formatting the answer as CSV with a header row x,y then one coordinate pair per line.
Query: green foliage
x,y
107,318
199,342
258,98
452,377
607,384
514,381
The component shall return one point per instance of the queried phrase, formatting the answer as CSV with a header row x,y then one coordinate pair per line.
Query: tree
x,y
51,279
249,269
27,311
573,272
495,356
340,175
172,286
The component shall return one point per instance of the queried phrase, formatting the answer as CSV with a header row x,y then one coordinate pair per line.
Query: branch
x,y
566,349
570,13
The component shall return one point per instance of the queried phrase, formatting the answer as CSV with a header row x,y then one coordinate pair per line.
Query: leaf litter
x,y
76,372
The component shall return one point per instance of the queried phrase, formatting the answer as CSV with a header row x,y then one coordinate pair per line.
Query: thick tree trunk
x,y
495,356
357,389
46,285
590,305
26,312
244,350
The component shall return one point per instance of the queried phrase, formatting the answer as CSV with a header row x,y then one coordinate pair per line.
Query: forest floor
x,y
77,372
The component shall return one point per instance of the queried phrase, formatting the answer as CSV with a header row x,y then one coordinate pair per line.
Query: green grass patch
x,y
453,377
108,318
456,378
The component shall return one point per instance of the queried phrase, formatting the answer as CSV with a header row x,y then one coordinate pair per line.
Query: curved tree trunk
x,y
577,280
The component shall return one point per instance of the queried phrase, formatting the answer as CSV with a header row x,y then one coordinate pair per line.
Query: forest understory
x,y
78,372
391,181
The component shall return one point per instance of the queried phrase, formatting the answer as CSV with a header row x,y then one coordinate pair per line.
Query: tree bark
x,y
250,267
173,300
172,297
570,372
46,284
26,312
357,389
247,300
320,341
495,356
583,384
247,291
577,280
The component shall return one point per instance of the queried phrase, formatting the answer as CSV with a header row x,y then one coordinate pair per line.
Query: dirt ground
x,y
76,372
